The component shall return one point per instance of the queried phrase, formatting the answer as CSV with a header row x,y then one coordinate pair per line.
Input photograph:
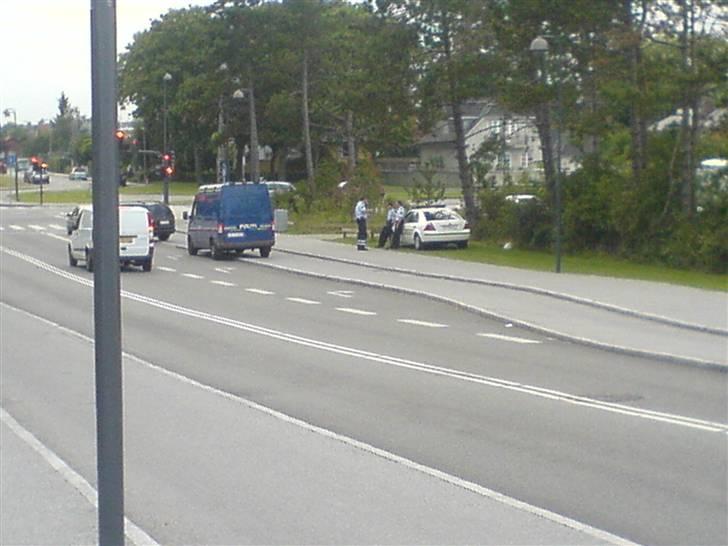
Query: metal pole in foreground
x,y
165,192
107,309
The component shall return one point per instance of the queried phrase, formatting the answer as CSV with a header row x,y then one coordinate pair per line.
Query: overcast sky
x,y
45,49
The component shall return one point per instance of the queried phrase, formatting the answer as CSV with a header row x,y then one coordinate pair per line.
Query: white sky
x,y
45,49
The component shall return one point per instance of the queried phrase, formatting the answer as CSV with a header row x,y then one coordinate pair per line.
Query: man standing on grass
x,y
399,213
360,214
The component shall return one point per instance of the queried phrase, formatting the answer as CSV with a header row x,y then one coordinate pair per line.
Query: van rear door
x,y
247,214
135,231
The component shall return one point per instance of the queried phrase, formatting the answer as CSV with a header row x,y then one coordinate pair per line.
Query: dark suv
x,y
162,215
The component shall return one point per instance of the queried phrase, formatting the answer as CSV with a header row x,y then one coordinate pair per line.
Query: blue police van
x,y
230,218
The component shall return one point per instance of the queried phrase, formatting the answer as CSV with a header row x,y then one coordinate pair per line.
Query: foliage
x,y
428,192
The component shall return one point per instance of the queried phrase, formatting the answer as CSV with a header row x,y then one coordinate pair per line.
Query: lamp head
x,y
539,45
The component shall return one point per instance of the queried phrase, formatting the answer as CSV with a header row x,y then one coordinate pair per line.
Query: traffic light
x,y
120,135
167,164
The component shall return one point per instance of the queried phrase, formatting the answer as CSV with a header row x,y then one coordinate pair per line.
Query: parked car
x,y
276,186
429,226
78,173
39,176
230,218
136,246
162,216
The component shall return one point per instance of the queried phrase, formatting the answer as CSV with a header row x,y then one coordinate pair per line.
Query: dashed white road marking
x,y
192,276
173,258
2,228
56,226
64,239
342,293
355,311
225,270
36,227
304,301
16,227
164,268
422,323
510,338
223,283
260,291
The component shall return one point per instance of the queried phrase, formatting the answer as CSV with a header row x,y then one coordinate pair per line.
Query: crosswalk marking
x,y
260,291
423,323
304,301
223,283
510,338
355,311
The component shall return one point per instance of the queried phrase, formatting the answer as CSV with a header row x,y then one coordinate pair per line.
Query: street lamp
x,y
221,148
239,94
166,78
6,113
540,47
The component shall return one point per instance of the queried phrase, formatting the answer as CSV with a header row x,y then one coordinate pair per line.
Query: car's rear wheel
x,y
164,236
191,249
73,262
462,244
147,266
265,251
419,245
215,251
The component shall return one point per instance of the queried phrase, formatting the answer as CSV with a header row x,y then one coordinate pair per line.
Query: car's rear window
x,y
247,207
440,215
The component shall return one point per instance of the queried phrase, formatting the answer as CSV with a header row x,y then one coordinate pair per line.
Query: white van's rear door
x,y
135,237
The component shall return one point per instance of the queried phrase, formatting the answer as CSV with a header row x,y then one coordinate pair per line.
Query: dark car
x,y
162,215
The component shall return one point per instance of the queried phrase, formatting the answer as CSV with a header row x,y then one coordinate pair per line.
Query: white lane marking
x,y
16,227
223,283
165,268
422,323
54,236
342,293
2,228
225,270
510,338
192,276
36,227
367,448
495,382
131,530
355,311
173,258
56,226
260,291
304,301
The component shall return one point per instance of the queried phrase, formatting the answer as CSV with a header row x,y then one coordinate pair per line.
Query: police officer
x,y
398,224
386,232
360,214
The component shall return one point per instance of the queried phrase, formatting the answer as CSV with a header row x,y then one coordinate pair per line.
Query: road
x,y
267,407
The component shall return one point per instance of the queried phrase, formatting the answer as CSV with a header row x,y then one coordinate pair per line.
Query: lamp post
x,y
221,148
540,47
239,94
6,113
166,78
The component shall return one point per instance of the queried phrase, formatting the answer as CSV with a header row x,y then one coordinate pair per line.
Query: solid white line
x,y
223,283
259,291
304,301
510,338
523,388
78,482
192,276
355,311
422,323
367,448
165,268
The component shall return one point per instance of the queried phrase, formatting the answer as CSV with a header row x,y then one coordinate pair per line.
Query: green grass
x,y
8,181
399,193
154,189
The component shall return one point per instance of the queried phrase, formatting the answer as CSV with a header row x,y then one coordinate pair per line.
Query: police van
x,y
230,218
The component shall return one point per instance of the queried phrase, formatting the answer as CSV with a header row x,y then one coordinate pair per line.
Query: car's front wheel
x,y
191,249
215,251
89,261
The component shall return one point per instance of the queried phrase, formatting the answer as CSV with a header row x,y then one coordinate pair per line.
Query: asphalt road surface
x,y
265,407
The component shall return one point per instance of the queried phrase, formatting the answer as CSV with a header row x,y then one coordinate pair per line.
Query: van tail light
x,y
150,223
220,228
430,227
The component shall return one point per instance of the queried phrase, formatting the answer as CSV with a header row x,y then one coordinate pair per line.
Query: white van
x,y
135,238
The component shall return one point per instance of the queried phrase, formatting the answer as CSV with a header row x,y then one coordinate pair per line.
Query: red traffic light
x,y
167,157
34,160
120,135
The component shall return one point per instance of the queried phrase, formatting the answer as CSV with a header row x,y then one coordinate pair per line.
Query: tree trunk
x,y
690,107
254,160
638,125
197,158
307,128
350,145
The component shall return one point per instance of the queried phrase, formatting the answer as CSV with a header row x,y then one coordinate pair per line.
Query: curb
x,y
675,359
523,288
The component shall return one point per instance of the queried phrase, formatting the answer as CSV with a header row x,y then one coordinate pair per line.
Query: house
x,y
519,156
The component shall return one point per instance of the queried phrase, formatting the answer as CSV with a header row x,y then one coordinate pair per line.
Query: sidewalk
x,y
676,323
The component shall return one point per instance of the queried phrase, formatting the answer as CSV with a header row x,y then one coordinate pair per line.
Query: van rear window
x,y
247,208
